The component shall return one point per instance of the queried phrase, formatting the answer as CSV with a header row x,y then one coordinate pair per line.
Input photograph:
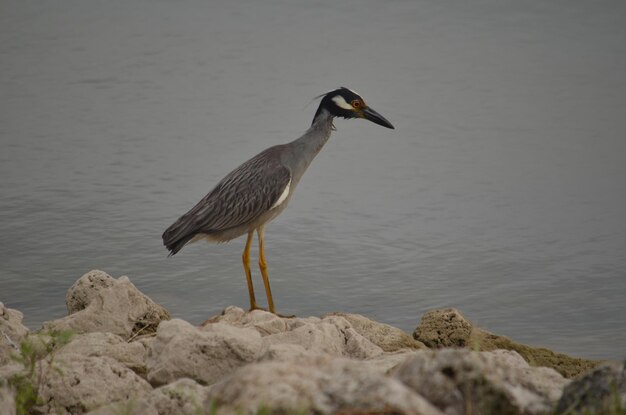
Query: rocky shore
x,y
118,352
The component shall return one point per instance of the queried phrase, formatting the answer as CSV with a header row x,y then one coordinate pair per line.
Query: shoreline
x,y
118,349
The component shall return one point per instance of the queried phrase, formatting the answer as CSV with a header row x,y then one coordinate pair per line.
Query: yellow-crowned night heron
x,y
258,190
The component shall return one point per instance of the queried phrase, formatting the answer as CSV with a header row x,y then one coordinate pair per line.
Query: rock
x,y
449,328
444,328
388,338
314,384
100,303
264,322
278,352
386,362
183,397
232,315
78,384
35,346
600,391
85,289
497,382
257,361
12,332
7,401
205,355
332,335
381,363
132,355
10,370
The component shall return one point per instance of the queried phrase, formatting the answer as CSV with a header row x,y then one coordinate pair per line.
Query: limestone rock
x,y
600,391
278,352
7,401
85,289
37,346
132,355
264,322
388,338
314,384
381,363
205,355
77,384
332,335
339,363
386,362
488,382
444,328
449,328
100,303
183,397
12,332
10,370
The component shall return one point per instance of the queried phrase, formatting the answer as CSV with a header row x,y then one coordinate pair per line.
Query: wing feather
x,y
239,198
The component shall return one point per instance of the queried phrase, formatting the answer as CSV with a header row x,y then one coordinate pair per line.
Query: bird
x,y
257,191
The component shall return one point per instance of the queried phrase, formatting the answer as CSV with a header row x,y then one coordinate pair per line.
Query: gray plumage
x,y
243,199
259,189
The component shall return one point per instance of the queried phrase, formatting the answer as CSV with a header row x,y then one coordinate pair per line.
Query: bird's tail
x,y
173,241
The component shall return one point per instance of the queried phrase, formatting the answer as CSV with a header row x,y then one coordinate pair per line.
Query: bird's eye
x,y
356,103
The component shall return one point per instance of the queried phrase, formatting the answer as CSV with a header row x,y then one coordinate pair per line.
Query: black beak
x,y
373,116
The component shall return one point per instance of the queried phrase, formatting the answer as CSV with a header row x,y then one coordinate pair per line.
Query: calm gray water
x,y
501,192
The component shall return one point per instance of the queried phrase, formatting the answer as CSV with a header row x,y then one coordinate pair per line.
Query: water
x,y
501,191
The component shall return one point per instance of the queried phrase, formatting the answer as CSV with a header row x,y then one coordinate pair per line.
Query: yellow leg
x,y
246,267
263,267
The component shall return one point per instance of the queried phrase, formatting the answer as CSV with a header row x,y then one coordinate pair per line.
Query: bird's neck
x,y
318,134
322,119
309,145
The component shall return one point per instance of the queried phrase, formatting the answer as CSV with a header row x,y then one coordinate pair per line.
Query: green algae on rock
x,y
449,328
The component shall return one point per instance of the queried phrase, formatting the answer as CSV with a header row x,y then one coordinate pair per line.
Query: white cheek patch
x,y
283,196
341,102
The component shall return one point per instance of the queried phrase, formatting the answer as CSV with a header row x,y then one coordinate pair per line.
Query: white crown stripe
x,y
341,102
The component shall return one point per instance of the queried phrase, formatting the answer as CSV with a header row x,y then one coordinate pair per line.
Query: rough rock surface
x,y
85,289
182,397
600,391
205,355
37,346
498,382
317,384
100,303
7,401
381,363
449,328
444,328
77,384
388,338
12,332
386,362
132,355
262,321
332,335
242,362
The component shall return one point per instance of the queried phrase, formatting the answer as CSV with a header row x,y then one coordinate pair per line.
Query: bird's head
x,y
346,103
